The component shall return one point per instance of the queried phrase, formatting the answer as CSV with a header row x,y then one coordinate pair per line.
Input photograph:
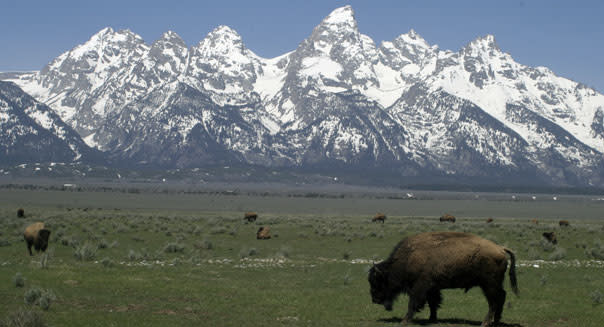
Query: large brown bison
x,y
424,264
379,217
447,217
250,216
263,233
36,235
551,237
564,223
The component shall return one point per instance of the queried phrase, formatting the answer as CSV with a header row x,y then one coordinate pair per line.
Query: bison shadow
x,y
440,322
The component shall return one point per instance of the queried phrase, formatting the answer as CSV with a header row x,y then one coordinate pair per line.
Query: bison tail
x,y
513,279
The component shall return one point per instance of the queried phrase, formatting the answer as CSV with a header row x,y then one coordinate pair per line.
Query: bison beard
x,y
424,264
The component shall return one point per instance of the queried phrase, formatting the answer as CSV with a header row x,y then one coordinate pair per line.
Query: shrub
x,y
32,295
558,254
174,248
596,297
134,256
19,280
247,252
85,252
22,318
106,262
346,255
44,260
103,244
284,252
46,299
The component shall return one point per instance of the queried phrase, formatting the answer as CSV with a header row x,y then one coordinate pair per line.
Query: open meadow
x,y
170,259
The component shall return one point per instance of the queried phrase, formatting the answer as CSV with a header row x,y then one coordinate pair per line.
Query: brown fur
x,y
551,237
379,217
535,221
20,213
36,235
424,264
250,216
447,217
564,223
263,233
490,220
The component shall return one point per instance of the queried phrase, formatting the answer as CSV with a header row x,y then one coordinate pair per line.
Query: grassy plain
x,y
153,259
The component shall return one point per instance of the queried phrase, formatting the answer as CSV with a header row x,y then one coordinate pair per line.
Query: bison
x,y
263,233
250,216
564,223
379,217
447,217
424,264
20,213
551,237
36,235
489,220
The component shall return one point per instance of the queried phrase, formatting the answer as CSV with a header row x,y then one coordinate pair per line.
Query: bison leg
x,y
495,297
417,300
499,305
29,249
434,300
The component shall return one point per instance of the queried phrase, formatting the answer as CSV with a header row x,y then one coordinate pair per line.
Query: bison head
x,y
43,236
380,290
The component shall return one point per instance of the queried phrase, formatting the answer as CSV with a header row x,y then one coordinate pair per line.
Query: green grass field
x,y
120,259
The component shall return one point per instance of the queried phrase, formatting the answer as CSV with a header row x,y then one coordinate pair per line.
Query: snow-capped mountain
x,y
32,132
337,100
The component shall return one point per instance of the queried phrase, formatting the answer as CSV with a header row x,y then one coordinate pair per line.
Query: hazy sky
x,y
566,36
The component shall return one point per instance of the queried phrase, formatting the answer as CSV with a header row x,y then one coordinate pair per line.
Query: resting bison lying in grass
x,y
424,264
379,217
36,235
263,233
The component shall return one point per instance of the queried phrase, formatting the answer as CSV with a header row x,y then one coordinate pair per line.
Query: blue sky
x,y
566,36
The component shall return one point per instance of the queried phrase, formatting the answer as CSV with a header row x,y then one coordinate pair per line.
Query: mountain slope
x,y
32,132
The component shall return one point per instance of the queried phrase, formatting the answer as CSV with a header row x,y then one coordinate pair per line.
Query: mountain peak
x,y
342,15
224,31
485,43
172,37
222,39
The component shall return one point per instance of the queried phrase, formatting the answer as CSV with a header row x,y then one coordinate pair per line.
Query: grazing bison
x,y
551,237
564,223
263,233
379,217
250,216
490,220
36,235
424,264
447,217
20,213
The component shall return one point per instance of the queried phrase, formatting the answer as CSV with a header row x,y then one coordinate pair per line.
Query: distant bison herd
x,y
420,266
